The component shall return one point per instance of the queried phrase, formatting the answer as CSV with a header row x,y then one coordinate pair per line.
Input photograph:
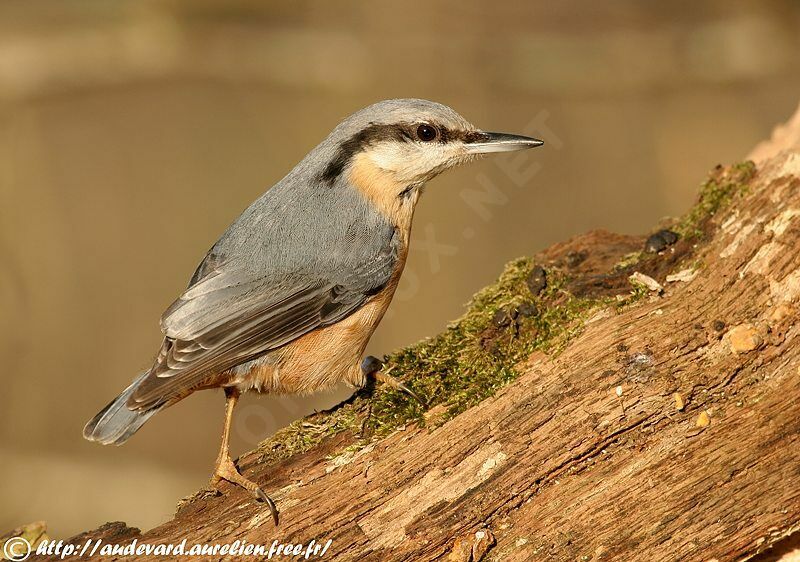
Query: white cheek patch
x,y
410,161
387,156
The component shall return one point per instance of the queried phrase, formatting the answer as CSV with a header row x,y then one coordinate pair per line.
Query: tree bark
x,y
668,428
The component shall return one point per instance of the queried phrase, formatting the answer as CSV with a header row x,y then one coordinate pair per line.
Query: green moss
x,y
479,353
476,355
628,260
715,194
637,293
302,435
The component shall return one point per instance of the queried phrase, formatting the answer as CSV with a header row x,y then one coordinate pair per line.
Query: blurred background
x,y
133,133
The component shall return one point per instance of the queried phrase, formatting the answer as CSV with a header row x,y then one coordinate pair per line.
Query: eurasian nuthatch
x,y
288,297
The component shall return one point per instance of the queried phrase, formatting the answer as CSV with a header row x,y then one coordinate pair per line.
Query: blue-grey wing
x,y
229,316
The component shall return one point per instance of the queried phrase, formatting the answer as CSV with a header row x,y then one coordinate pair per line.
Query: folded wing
x,y
229,316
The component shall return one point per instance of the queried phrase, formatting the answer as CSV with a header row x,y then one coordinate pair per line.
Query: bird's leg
x,y
372,366
224,468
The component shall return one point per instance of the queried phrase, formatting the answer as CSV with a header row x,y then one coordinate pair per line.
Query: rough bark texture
x,y
667,429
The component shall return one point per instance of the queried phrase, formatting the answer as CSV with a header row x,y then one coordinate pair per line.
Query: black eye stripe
x,y
406,134
381,132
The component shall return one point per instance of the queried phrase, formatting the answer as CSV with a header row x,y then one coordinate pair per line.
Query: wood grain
x,y
668,430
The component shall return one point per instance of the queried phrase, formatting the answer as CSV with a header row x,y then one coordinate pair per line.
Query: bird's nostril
x,y
475,136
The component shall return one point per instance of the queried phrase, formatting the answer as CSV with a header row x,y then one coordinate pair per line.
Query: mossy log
x,y
600,402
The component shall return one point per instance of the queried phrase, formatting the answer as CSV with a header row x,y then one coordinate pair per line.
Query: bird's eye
x,y
427,133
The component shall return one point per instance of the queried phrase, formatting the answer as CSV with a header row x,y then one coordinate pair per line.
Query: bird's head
x,y
397,145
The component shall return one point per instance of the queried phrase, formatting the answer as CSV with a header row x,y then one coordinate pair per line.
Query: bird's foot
x,y
371,366
226,470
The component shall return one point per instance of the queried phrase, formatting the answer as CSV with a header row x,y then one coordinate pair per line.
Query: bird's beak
x,y
484,142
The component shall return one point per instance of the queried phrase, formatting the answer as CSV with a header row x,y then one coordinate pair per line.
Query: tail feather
x,y
115,423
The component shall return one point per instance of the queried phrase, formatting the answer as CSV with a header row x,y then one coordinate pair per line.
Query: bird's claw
x,y
226,470
397,385
371,365
262,497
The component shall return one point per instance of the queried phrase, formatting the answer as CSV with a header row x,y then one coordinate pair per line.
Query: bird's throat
x,y
392,198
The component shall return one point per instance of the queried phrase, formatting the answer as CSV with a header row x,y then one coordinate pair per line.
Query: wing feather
x,y
227,318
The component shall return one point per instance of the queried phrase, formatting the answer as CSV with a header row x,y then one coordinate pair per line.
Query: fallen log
x,y
611,398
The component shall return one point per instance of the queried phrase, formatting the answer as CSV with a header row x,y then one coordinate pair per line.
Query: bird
x,y
288,297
